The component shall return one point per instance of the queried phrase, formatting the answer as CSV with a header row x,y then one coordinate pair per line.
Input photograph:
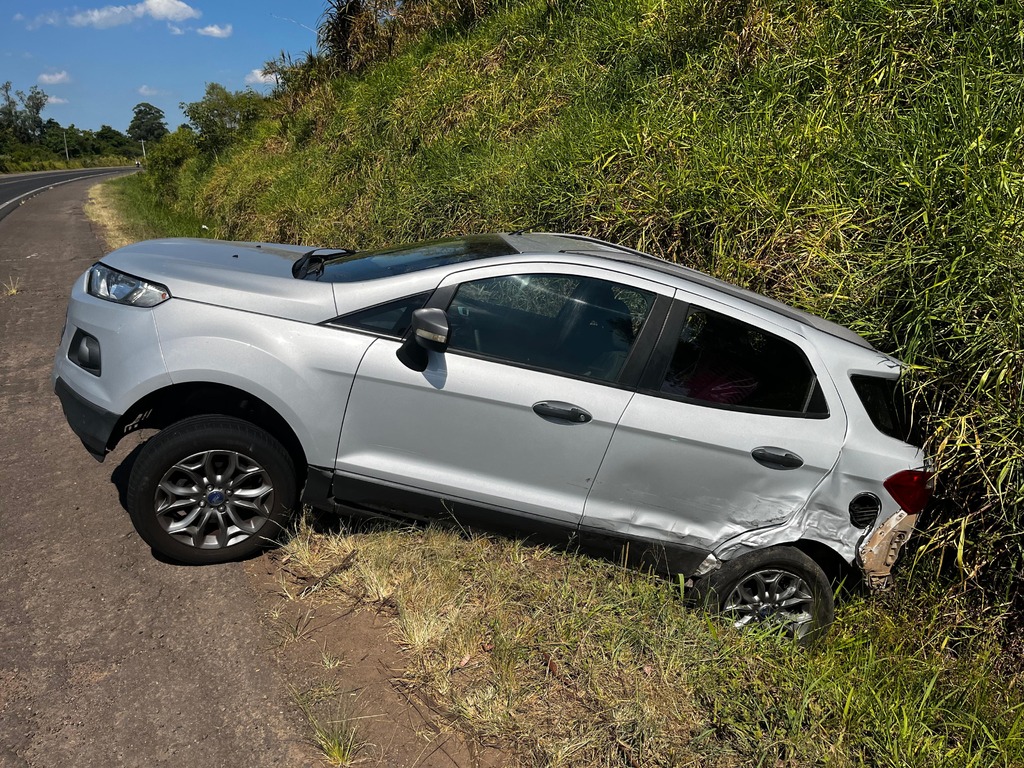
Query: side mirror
x,y
428,331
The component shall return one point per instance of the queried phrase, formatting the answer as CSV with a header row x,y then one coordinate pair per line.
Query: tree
x,y
147,123
23,123
221,115
32,107
112,142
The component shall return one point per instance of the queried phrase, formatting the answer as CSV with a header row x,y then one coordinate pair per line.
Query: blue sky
x,y
96,61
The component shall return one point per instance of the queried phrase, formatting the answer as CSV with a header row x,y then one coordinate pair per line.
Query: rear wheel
x,y
210,489
780,586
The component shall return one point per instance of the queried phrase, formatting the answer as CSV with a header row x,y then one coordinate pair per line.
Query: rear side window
x,y
721,361
887,406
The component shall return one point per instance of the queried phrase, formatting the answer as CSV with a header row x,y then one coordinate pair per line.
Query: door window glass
x,y
722,361
579,326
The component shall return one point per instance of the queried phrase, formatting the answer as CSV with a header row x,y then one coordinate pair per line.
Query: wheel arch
x,y
175,402
836,568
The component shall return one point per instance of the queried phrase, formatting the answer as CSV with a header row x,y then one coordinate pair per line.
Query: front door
x,y
518,413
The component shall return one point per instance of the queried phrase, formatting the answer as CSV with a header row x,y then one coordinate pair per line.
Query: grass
x,y
567,661
126,212
330,714
12,286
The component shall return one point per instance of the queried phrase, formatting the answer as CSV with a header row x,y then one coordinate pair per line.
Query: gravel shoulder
x,y
107,655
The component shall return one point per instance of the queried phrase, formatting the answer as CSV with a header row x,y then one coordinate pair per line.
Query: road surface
x,y
108,657
17,188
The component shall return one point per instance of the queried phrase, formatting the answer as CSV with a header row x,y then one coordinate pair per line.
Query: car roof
x,y
555,242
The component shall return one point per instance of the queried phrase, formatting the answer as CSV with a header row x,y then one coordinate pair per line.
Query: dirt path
x,y
108,657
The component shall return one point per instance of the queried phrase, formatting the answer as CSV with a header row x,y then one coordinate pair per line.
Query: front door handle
x,y
562,412
776,458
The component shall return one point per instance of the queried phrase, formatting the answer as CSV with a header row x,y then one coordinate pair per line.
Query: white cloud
x,y
216,30
54,78
19,17
145,90
116,15
259,77
175,30
55,100
106,17
52,18
170,10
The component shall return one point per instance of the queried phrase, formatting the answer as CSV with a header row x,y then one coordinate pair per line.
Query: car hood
x,y
253,277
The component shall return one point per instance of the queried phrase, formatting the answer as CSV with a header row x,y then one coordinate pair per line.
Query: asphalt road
x,y
108,657
16,188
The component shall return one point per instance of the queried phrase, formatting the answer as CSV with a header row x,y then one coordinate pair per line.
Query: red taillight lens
x,y
911,488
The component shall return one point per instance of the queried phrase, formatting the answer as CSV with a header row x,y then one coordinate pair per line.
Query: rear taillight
x,y
911,489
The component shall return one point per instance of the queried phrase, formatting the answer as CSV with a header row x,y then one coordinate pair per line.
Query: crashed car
x,y
546,383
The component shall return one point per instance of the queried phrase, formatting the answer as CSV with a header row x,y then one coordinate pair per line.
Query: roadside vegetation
x,y
30,143
860,160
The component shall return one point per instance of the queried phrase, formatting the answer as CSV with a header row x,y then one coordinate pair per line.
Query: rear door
x,y
518,413
731,430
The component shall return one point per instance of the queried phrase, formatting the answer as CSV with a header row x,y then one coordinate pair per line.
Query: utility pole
x,y
143,148
67,157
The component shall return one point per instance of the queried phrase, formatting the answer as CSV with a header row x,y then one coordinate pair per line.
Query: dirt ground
x,y
111,657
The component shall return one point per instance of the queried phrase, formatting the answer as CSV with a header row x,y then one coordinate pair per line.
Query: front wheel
x,y
778,585
210,489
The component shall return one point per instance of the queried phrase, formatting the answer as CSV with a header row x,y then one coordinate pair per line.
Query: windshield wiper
x,y
313,261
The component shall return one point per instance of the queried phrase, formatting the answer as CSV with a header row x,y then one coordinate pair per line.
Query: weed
x,y
297,627
331,716
12,286
328,660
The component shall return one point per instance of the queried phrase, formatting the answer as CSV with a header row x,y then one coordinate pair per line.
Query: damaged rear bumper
x,y
879,551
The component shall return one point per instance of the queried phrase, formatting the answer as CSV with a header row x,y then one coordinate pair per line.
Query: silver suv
x,y
545,383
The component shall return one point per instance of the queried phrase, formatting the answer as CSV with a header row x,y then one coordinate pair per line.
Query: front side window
x,y
580,326
725,362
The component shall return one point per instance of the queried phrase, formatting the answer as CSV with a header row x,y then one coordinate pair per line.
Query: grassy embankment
x,y
859,160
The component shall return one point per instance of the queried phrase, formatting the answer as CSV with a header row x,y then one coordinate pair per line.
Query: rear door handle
x,y
776,458
552,409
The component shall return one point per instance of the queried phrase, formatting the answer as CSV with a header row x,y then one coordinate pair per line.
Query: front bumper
x,y
92,424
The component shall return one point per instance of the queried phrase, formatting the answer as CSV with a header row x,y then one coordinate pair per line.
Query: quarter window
x,y
390,319
574,325
725,362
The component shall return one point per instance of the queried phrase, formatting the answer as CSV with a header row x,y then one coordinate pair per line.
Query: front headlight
x,y
109,284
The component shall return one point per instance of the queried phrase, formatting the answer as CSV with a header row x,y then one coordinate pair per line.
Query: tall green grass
x,y
857,158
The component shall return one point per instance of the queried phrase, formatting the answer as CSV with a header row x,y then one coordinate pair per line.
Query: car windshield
x,y
372,265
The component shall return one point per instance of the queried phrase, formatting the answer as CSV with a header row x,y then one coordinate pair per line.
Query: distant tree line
x,y
28,142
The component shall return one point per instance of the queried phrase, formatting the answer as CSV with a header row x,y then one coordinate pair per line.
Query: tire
x,y
777,585
211,489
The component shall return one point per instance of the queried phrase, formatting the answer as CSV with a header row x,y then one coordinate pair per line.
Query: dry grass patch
x,y
103,210
562,660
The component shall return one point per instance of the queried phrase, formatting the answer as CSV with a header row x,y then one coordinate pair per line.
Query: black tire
x,y
234,481
779,585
